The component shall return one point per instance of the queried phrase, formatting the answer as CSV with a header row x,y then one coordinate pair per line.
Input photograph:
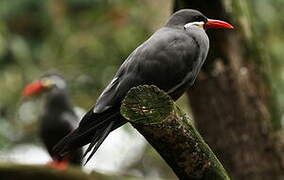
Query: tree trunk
x,y
154,114
231,100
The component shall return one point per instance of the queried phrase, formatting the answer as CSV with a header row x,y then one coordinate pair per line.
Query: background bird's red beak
x,y
33,88
212,23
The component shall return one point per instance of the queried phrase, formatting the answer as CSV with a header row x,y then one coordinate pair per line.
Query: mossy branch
x,y
154,114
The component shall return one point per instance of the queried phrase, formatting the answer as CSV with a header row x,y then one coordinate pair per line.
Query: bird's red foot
x,y
60,165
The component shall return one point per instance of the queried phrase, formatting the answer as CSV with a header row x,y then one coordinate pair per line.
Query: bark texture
x,y
231,99
171,133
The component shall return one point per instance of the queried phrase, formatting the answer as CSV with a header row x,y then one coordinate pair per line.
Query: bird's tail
x,y
94,131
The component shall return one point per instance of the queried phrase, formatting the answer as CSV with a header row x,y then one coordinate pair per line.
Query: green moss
x,y
146,104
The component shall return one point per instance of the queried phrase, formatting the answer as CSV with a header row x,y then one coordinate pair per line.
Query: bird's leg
x,y
60,165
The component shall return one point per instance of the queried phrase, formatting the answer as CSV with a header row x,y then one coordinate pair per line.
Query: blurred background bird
x,y
57,118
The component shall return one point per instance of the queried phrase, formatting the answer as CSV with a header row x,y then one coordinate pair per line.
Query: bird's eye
x,y
198,18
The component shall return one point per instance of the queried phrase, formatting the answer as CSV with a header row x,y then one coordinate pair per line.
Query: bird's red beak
x,y
33,88
212,23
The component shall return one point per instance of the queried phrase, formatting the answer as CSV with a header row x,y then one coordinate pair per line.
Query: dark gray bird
x,y
58,118
170,59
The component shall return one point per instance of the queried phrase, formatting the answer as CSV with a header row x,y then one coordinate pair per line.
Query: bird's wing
x,y
164,60
110,98
169,59
70,118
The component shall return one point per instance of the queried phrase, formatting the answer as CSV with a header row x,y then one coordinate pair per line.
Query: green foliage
x,y
262,24
84,40
267,25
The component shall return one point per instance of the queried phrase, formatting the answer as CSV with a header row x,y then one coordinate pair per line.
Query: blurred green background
x,y
86,41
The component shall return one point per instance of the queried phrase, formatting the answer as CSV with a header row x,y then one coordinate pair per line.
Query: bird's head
x,y
187,18
44,83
